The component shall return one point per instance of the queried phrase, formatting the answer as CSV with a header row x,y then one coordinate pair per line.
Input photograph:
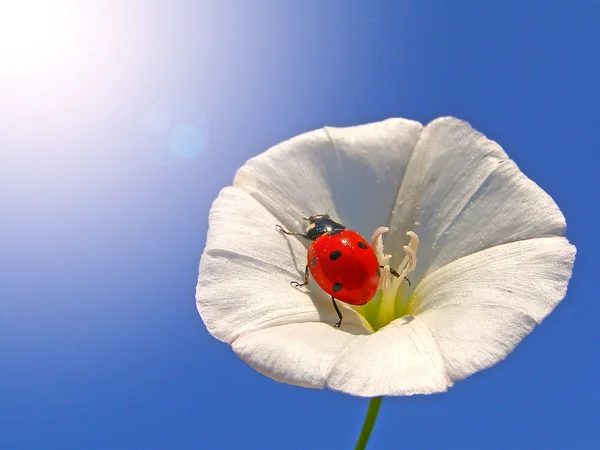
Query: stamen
x,y
390,308
410,260
377,244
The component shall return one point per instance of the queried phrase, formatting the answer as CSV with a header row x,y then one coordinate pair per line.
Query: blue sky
x,y
113,148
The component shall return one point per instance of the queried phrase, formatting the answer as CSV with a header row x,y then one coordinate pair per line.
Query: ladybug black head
x,y
321,224
313,219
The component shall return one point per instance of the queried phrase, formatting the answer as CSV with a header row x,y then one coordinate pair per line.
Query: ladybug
x,y
341,261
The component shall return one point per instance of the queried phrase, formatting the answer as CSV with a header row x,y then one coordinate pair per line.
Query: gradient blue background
x,y
102,223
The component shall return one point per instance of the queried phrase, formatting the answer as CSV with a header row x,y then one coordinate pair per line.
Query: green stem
x,y
365,433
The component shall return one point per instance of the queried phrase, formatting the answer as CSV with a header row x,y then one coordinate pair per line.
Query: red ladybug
x,y
341,261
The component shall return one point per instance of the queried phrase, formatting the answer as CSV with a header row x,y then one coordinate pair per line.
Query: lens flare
x,y
174,132
186,140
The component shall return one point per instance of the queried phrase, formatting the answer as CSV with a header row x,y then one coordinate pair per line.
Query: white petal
x,y
246,269
353,173
480,307
400,359
462,194
301,354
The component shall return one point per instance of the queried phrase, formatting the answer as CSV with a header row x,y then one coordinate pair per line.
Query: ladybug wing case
x,y
345,266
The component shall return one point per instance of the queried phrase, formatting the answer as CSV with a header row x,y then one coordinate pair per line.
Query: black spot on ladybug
x,y
336,231
335,255
313,262
361,244
336,287
378,272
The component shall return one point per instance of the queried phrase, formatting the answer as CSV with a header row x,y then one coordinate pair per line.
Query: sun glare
x,y
37,39
58,57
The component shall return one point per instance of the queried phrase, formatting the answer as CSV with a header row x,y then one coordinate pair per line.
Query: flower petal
x,y
301,354
400,359
353,173
461,194
246,269
480,307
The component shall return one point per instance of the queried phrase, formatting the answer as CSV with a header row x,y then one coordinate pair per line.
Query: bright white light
x,y
37,38
69,65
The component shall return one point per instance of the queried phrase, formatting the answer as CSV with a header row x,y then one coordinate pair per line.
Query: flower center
x,y
390,301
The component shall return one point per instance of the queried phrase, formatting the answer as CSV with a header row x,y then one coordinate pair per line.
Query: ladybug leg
x,y
291,233
396,274
337,310
392,271
296,284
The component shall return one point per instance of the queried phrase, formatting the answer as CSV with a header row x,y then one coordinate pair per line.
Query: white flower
x,y
492,262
